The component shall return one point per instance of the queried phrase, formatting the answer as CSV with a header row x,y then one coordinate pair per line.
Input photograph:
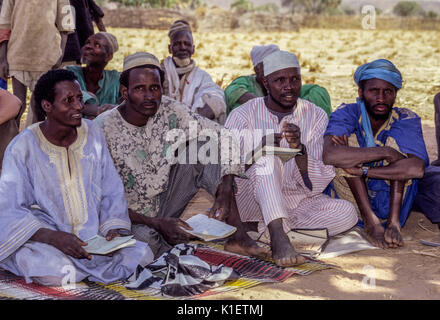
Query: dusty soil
x,y
402,273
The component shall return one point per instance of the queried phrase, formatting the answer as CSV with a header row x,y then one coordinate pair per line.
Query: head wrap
x,y
139,59
258,53
177,26
279,60
379,69
111,39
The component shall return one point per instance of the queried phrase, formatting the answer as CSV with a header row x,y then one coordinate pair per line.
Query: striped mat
x,y
252,272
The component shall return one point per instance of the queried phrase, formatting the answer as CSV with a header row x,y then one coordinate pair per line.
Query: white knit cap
x,y
258,53
279,60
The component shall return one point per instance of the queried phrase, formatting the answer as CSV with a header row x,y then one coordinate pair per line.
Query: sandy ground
x,y
402,273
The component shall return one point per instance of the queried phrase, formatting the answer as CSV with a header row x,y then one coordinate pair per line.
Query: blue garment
x,y
379,69
75,190
3,84
405,128
428,197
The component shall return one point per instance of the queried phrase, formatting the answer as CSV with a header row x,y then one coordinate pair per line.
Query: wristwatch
x,y
364,172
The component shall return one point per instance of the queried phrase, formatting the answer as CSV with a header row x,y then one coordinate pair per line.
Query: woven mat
x,y
253,272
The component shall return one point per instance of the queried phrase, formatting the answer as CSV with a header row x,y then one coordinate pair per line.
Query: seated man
x,y
9,109
158,189
437,127
59,187
187,83
278,197
245,88
100,87
381,152
428,195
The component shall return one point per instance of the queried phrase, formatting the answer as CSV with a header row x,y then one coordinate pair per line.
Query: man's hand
x,y
112,234
223,199
292,133
392,155
207,112
272,139
69,244
170,229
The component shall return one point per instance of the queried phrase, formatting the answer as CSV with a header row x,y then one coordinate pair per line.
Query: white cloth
x,y
197,88
274,190
279,60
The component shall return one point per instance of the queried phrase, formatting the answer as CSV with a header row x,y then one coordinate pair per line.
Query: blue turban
x,y
379,69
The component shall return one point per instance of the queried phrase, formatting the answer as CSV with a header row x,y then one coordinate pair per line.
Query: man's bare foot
x,y
393,237
242,244
375,234
283,252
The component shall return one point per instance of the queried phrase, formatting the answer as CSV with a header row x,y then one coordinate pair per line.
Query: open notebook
x,y
208,228
285,154
99,245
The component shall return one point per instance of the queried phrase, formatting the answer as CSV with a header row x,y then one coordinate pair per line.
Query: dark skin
x,y
379,97
142,100
59,128
283,89
182,46
96,54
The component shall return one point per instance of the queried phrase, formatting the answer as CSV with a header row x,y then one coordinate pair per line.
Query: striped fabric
x,y
274,190
252,272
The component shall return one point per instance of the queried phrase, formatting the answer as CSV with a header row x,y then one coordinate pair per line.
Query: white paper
x,y
208,228
99,245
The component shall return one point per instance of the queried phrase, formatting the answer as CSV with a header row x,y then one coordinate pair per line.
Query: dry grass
x,y
329,57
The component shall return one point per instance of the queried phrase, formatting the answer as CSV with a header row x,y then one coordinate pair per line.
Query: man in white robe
x,y
59,188
187,83
279,197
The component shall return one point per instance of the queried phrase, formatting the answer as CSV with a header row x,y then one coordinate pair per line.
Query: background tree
x,y
407,9
311,6
242,6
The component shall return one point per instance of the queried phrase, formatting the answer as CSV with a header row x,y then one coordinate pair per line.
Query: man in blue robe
x,y
379,153
58,188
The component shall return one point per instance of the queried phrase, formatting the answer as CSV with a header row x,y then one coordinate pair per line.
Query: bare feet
x,y
242,244
283,252
375,234
393,236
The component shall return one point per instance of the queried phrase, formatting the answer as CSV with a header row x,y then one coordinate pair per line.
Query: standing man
x,y
279,197
245,88
380,152
39,30
187,83
58,188
157,188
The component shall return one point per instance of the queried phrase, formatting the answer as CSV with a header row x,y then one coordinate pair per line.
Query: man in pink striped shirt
x,y
279,197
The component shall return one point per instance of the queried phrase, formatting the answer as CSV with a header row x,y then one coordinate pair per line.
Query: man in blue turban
x,y
379,153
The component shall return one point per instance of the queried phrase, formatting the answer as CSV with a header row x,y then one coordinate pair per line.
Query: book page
x,y
208,228
99,245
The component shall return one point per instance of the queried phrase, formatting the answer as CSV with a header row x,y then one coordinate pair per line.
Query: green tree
x,y
242,6
311,6
407,9
431,15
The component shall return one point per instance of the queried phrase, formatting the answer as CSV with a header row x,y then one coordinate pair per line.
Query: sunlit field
x,y
328,57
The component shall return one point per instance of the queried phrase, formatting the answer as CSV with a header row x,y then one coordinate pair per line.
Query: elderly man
x,y
157,188
279,197
380,152
100,87
187,83
59,188
245,88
